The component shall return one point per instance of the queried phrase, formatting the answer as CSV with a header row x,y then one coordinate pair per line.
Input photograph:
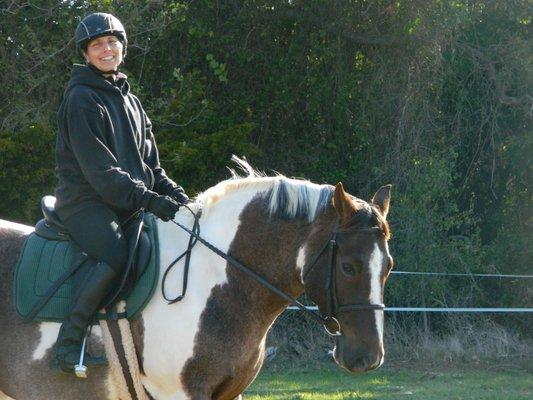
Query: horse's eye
x,y
348,269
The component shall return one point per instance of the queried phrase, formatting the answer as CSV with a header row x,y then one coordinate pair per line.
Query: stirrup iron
x,y
79,369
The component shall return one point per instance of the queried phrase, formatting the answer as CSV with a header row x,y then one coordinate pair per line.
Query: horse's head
x,y
346,280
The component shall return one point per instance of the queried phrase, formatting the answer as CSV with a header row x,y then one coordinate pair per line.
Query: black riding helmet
x,y
99,24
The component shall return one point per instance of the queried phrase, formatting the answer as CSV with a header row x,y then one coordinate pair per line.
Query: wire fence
x,y
461,274
451,309
422,334
441,309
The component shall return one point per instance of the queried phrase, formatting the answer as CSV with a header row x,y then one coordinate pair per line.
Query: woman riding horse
x,y
107,167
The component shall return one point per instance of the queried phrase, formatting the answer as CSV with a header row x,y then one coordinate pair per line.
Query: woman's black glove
x,y
163,207
179,195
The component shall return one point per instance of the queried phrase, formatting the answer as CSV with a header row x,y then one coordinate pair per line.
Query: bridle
x,y
333,308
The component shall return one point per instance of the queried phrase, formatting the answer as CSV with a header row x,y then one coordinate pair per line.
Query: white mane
x,y
287,197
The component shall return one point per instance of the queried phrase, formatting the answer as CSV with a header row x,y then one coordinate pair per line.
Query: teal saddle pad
x,y
43,261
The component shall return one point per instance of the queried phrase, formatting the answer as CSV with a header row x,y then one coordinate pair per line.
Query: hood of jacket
x,y
85,76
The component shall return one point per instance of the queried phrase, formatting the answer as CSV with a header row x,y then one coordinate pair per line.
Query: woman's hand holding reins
x,y
179,195
163,207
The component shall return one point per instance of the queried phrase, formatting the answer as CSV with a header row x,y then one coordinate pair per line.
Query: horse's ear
x,y
382,199
343,204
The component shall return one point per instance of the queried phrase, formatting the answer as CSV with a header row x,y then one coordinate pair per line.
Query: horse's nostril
x,y
362,363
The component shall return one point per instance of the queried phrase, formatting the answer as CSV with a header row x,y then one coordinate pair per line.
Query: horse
x,y
211,345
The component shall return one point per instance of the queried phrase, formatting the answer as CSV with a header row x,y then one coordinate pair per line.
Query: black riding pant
x,y
96,230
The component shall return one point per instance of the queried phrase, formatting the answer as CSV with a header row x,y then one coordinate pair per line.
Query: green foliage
x,y
200,160
26,171
436,236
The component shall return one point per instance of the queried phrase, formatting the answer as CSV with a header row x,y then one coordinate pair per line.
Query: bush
x,y
26,172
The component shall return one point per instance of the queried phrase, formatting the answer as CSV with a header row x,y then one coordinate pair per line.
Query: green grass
x,y
332,383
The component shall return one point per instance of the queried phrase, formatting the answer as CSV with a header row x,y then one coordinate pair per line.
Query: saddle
x,y
51,266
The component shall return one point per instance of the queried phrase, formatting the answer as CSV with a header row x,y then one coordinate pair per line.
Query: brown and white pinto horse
x,y
211,344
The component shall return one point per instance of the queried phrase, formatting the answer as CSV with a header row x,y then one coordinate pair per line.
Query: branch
x,y
353,37
499,87
51,55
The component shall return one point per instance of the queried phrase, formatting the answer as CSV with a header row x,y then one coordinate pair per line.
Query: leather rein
x,y
333,308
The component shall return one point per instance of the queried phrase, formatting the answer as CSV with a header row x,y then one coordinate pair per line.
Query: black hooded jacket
x,y
105,149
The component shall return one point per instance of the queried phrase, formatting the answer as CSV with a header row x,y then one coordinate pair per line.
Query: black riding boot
x,y
71,334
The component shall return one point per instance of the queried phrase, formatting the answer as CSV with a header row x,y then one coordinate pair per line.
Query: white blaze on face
x,y
375,297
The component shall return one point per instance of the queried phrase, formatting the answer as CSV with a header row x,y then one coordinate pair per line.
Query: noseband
x,y
333,307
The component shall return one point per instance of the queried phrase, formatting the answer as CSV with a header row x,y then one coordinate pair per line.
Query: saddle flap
x,y
142,258
140,254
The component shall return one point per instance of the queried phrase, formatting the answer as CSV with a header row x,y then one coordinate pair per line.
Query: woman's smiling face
x,y
105,53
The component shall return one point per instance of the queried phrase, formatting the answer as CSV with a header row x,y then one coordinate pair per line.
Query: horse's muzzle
x,y
358,362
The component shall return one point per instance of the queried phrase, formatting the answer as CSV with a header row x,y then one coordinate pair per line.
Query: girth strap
x,y
122,356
